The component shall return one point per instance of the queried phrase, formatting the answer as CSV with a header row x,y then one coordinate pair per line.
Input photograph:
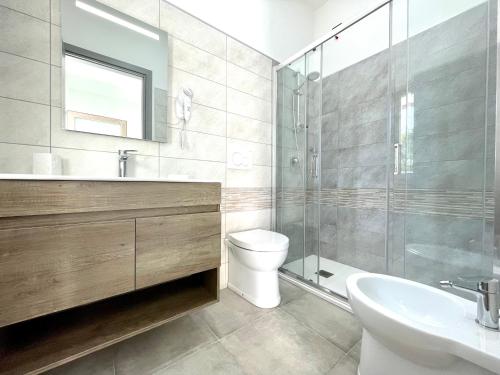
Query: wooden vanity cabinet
x,y
86,264
52,268
168,247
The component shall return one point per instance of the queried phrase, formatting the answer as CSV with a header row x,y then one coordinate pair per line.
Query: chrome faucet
x,y
122,162
488,298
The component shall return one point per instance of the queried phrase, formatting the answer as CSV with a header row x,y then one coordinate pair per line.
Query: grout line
x,y
221,84
270,80
26,101
264,122
50,75
27,14
218,135
145,155
26,57
223,235
311,328
24,144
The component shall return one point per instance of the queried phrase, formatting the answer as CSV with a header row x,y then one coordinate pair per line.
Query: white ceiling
x,y
315,4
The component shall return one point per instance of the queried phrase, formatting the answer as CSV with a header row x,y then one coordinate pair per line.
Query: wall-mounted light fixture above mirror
x,y
115,72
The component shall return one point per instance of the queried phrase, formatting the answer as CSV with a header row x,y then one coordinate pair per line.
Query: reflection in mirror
x,y
115,72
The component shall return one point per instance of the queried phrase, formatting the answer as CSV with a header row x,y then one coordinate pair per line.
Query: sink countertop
x,y
483,343
7,176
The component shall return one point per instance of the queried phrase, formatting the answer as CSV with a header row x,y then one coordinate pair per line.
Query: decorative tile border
x,y
245,199
363,198
467,204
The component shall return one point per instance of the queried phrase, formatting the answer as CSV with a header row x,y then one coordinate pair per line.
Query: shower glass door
x,y
290,166
298,121
444,116
354,146
385,146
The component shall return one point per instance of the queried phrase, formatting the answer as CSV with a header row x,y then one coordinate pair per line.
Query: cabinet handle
x,y
397,158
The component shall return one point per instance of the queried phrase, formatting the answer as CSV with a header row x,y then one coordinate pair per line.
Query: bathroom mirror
x,y
115,72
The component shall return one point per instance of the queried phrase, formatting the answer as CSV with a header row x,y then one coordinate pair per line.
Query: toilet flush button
x,y
239,156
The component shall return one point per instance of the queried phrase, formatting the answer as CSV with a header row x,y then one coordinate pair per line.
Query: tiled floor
x,y
304,335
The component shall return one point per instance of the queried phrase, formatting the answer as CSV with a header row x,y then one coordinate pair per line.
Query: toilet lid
x,y
259,240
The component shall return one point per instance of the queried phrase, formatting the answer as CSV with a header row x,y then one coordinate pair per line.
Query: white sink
x,y
414,329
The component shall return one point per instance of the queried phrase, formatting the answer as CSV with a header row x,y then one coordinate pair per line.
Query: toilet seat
x,y
259,240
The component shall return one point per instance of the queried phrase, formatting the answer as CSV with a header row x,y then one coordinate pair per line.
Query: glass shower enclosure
x,y
384,146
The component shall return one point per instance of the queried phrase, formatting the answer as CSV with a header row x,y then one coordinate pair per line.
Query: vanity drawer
x,y
169,247
52,268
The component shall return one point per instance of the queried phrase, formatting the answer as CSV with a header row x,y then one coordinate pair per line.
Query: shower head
x,y
311,77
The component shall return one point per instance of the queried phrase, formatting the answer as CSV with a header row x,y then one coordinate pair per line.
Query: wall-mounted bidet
x,y
254,259
414,329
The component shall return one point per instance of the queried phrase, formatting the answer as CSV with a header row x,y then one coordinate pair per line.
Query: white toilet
x,y
254,259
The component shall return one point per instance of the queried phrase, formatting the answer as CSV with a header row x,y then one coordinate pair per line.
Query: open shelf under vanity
x,y
43,343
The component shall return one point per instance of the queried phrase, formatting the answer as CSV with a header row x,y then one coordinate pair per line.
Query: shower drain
x,y
324,273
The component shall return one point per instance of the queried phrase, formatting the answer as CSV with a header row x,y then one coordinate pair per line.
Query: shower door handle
x,y
397,158
315,172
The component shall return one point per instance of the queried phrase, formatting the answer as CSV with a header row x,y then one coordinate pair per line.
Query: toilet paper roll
x,y
47,163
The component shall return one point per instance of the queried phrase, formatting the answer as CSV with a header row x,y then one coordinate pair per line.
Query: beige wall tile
x,y
94,142
87,163
261,153
197,146
35,8
144,10
248,82
24,122
196,61
24,79
24,35
192,30
203,119
16,158
254,177
104,164
198,169
143,166
245,220
249,106
241,55
205,92
245,128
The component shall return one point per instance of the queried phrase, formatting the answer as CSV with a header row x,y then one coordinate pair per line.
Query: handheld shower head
x,y
311,77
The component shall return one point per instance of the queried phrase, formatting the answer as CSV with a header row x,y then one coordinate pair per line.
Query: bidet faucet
x,y
487,294
122,162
